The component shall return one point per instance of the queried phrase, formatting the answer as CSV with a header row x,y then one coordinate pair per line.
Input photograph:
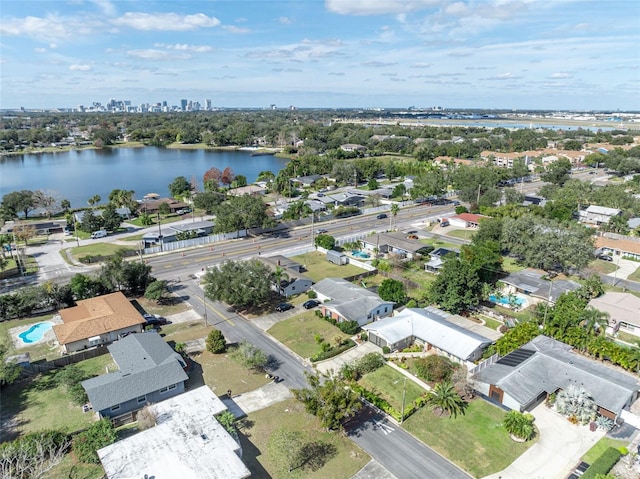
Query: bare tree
x,y
31,459
24,232
47,200
146,418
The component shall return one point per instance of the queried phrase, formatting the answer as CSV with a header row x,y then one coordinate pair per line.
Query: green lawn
x,y
437,243
37,404
133,238
476,441
98,249
604,267
298,333
389,385
342,460
599,447
319,268
38,350
490,322
510,265
635,276
464,234
71,468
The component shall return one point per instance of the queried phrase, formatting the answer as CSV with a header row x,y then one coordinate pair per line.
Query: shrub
x,y
318,313
364,336
349,327
322,355
100,434
434,368
519,425
216,342
603,464
250,356
317,338
385,350
145,419
311,294
604,423
369,363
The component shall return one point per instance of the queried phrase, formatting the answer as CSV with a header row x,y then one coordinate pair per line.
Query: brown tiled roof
x,y
96,316
624,245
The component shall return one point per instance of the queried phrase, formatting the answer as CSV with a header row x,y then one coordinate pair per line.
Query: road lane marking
x,y
214,309
385,428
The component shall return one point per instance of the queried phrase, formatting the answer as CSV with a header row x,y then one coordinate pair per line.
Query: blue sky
x,y
522,54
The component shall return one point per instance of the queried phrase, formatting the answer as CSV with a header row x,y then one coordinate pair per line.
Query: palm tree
x,y
519,425
445,399
279,274
94,200
394,212
594,321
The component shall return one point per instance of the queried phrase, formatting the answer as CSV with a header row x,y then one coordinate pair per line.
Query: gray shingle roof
x,y
554,365
341,289
147,363
531,282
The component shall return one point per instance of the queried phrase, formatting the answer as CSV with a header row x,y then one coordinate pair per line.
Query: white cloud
x,y
285,20
106,6
40,50
379,7
80,68
560,75
166,21
185,47
158,55
49,28
234,29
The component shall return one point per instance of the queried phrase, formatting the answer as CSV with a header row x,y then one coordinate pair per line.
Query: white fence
x,y
175,245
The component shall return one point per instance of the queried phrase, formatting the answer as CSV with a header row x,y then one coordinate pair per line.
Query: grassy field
x,y
98,249
635,276
437,243
476,441
298,333
319,268
510,265
342,458
599,447
389,385
604,267
464,234
36,404
490,322
162,309
38,350
70,468
133,238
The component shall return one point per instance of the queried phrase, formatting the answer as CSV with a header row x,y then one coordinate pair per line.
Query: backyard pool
x,y
361,254
35,333
518,300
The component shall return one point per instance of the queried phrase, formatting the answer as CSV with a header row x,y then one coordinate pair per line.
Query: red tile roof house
x,y
97,321
466,220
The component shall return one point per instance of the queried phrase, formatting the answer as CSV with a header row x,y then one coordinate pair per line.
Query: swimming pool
x,y
35,333
518,299
360,254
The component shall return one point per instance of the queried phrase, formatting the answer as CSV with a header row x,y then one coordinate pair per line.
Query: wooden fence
x,y
41,367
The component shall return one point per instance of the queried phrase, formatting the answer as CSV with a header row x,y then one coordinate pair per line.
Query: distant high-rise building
x,y
183,104
207,104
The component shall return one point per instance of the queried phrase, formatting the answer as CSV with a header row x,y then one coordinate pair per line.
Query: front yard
x,y
337,456
299,333
389,384
319,268
476,441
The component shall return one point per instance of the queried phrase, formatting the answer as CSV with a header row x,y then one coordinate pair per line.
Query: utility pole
x,y
404,393
160,233
478,200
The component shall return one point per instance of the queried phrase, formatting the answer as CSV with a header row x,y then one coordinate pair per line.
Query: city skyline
x,y
566,55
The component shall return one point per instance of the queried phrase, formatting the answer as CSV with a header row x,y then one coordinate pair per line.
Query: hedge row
x,y
322,355
603,464
383,404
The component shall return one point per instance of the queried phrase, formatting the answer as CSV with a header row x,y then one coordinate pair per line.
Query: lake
x,y
78,175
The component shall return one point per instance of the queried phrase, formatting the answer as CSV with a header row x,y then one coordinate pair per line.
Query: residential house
x,y
251,190
530,199
392,243
527,376
431,328
619,245
531,282
149,371
97,321
352,147
293,280
345,301
150,204
187,441
466,220
597,215
623,310
434,265
633,223
306,181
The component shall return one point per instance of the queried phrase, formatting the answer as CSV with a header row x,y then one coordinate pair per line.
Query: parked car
x,y
381,216
322,231
154,320
312,303
284,307
444,224
605,257
99,234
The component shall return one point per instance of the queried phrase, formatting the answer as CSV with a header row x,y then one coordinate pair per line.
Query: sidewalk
x,y
348,356
625,268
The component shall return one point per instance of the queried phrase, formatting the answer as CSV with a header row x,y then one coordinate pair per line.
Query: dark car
x,y
154,320
312,303
381,216
284,307
605,257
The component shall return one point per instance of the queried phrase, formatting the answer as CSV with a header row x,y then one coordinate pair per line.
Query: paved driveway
x,y
349,356
558,450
